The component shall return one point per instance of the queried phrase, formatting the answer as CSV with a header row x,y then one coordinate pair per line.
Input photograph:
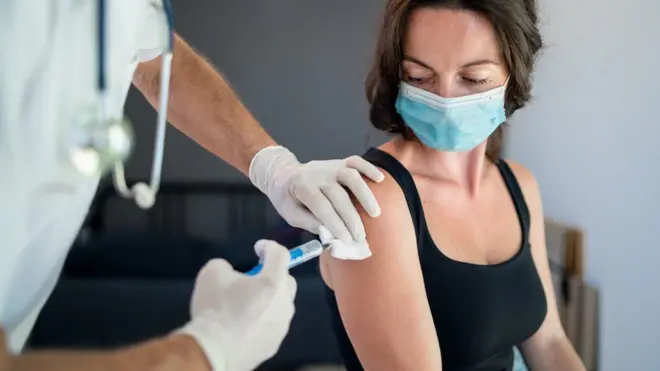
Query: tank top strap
x,y
405,180
517,196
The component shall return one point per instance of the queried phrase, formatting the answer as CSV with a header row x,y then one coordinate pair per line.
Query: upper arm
x,y
551,329
147,74
382,299
152,41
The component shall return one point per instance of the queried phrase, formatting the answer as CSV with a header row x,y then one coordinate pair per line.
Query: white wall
x,y
592,137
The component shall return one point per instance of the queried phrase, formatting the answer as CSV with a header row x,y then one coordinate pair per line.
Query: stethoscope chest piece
x,y
96,143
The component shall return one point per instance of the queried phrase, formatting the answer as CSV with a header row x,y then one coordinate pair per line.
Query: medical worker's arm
x,y
382,300
238,321
203,106
179,352
549,348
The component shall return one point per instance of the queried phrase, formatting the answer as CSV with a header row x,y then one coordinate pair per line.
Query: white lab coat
x,y
48,54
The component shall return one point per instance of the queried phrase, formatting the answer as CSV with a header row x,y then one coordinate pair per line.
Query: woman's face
x,y
452,53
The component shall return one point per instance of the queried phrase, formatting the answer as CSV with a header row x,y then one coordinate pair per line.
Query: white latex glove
x,y
310,195
238,320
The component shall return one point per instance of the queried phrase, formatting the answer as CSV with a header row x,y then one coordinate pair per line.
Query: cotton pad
x,y
339,250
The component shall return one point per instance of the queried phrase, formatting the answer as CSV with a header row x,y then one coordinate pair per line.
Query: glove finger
x,y
291,286
323,210
275,258
288,295
217,267
344,206
300,217
356,184
219,272
366,168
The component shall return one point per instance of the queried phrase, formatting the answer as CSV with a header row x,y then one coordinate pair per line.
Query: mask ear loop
x,y
145,195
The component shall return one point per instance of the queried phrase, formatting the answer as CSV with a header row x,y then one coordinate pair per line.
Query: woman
x,y
459,273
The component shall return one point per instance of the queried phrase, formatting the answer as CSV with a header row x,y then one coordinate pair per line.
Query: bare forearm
x,y
203,106
559,355
177,353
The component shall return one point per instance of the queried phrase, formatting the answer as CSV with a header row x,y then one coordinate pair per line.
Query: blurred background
x,y
590,137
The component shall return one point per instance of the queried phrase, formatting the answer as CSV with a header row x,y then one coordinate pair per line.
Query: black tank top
x,y
480,312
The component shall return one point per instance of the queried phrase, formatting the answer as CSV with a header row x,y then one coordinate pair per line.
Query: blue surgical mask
x,y
451,124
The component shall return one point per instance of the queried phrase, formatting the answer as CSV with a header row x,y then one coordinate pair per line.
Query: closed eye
x,y
476,81
417,80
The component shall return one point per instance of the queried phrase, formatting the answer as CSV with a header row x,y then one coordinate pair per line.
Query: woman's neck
x,y
463,169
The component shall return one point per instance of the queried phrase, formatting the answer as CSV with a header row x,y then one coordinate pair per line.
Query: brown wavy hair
x,y
516,28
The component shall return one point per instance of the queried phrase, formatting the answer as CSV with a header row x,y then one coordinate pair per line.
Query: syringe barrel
x,y
298,255
305,252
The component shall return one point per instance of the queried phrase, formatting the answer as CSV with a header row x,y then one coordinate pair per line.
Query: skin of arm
x,y
173,353
549,348
382,299
204,107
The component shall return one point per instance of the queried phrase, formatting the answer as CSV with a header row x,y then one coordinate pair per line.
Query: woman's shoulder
x,y
388,192
391,199
524,176
386,233
528,184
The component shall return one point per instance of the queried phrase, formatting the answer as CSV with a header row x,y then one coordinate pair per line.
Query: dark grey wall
x,y
298,65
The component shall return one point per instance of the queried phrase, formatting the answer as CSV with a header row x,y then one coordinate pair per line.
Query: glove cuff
x,y
215,351
265,163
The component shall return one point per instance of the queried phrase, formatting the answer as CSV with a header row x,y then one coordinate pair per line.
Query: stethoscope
x,y
100,143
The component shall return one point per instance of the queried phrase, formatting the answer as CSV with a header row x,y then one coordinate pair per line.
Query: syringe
x,y
298,255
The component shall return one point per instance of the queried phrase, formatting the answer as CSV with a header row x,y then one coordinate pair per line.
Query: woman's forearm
x,y
559,355
203,106
176,353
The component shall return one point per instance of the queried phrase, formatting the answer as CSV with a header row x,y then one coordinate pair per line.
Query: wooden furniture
x,y
577,301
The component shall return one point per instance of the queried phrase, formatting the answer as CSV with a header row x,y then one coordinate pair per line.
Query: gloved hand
x,y
310,195
238,320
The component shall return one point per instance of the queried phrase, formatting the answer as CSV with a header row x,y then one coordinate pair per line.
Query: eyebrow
x,y
471,64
